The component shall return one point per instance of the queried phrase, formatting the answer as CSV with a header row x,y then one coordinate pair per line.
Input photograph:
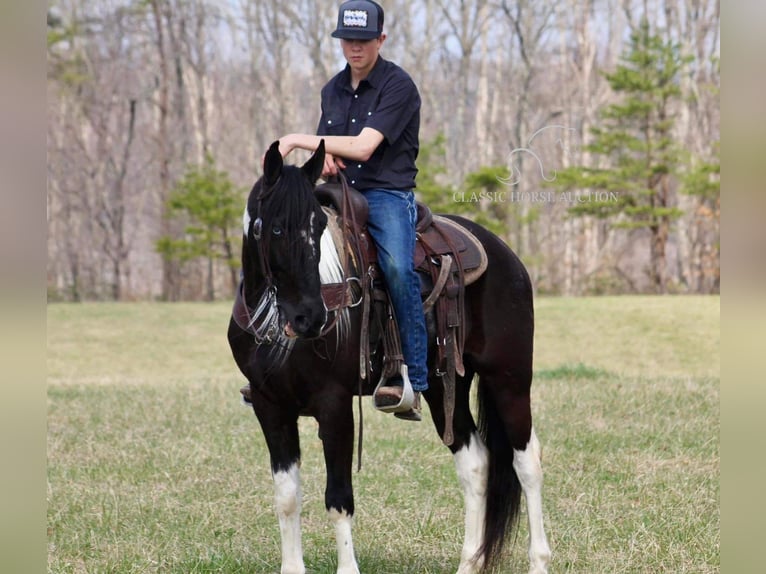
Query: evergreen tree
x,y
212,206
432,168
703,181
496,209
634,149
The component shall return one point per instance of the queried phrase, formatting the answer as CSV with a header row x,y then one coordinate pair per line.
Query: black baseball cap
x,y
359,20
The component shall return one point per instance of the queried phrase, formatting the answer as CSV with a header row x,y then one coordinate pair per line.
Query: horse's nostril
x,y
302,322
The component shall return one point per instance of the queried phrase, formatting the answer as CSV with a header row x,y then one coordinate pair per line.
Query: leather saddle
x,y
447,257
436,236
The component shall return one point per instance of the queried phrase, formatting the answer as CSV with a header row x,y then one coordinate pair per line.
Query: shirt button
x,y
356,96
369,113
353,120
353,181
329,122
359,165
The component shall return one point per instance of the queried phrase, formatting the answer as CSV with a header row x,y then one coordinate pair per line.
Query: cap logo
x,y
355,18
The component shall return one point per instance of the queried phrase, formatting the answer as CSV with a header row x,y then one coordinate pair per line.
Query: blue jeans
x,y
391,224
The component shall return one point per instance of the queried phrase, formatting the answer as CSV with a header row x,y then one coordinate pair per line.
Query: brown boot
x,y
414,414
245,391
388,396
391,395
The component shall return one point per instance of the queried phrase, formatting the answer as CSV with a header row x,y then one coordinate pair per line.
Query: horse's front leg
x,y
288,499
281,432
336,429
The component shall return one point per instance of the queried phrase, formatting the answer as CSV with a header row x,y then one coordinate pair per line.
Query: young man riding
x,y
370,124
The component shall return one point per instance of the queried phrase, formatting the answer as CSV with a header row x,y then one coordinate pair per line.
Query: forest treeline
x,y
584,132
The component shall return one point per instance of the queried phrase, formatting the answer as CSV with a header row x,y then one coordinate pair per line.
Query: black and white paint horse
x,y
288,253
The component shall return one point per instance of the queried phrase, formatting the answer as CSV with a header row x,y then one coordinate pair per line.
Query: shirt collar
x,y
373,78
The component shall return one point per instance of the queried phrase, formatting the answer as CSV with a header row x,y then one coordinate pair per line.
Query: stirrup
x,y
408,395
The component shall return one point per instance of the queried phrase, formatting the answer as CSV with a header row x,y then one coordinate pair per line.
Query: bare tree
x,y
465,20
169,269
695,24
139,91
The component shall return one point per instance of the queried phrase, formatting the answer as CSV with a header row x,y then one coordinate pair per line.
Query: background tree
x,y
702,182
434,187
207,200
635,144
140,89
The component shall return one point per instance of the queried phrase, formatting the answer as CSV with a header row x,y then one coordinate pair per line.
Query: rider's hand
x,y
331,166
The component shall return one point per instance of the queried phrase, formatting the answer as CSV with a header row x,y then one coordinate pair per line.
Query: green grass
x,y
154,466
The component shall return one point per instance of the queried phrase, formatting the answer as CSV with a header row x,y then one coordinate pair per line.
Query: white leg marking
x,y
288,498
472,464
527,465
346,558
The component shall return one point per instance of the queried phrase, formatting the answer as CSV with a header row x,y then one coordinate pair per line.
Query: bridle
x,y
262,322
263,247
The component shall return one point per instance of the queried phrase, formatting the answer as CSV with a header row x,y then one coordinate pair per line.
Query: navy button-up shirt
x,y
388,101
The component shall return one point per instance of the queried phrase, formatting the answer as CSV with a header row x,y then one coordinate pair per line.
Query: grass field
x,y
154,465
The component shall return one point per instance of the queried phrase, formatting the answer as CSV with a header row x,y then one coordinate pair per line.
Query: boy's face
x,y
361,54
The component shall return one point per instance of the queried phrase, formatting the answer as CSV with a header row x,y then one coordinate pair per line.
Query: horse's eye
x,y
277,231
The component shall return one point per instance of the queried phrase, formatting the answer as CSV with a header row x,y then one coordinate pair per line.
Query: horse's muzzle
x,y
307,323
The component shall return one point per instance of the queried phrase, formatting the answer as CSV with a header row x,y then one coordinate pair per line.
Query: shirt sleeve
x,y
399,101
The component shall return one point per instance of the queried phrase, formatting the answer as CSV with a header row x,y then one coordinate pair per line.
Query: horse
x,y
287,255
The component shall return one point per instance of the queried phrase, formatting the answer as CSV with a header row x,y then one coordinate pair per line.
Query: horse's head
x,y
283,226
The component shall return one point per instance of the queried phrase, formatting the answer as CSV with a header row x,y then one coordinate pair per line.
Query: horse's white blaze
x,y
527,465
246,220
346,558
288,500
308,235
310,240
472,464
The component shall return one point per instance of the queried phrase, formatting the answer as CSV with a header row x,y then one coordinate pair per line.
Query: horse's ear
x,y
272,164
314,166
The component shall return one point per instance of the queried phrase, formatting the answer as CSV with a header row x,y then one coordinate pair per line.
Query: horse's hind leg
x,y
527,464
513,407
281,433
471,464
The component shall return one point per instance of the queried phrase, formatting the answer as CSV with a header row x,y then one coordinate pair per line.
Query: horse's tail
x,y
503,486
